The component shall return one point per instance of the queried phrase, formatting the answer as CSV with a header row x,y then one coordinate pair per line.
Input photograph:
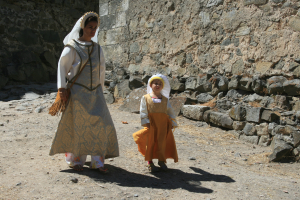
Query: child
x,y
156,140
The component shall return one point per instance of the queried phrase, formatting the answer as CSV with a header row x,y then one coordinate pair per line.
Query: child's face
x,y
156,85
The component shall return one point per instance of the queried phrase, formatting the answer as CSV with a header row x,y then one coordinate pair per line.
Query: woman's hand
x,y
147,125
63,94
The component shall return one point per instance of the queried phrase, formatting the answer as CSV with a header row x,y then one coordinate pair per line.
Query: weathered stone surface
x,y
294,23
238,112
122,89
269,116
176,84
282,102
177,104
249,129
234,94
250,139
234,82
244,30
280,149
109,98
238,67
262,129
219,84
284,130
238,125
191,83
264,140
255,2
204,97
211,3
135,82
221,119
296,136
292,87
263,67
206,116
194,111
203,83
245,83
223,104
253,114
132,102
275,84
258,85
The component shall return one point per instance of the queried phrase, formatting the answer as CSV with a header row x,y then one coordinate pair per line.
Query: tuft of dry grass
x,y
211,103
259,158
254,104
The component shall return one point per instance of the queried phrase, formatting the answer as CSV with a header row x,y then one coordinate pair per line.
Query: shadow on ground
x,y
172,179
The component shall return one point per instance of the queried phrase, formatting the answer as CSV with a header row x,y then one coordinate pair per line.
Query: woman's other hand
x,y
63,94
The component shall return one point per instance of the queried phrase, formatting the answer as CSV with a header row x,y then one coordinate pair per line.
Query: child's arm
x,y
144,113
171,115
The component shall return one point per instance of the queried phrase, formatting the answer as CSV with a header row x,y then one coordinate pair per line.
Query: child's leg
x,y
163,165
152,167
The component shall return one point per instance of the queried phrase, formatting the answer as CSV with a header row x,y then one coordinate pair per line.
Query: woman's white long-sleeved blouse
x,y
144,113
69,64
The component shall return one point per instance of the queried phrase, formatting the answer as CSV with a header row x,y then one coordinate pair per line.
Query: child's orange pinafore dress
x,y
158,141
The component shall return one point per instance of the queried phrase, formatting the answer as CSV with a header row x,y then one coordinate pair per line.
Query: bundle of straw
x,y
59,106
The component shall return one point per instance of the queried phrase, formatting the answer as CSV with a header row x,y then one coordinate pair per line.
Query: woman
x,y
86,127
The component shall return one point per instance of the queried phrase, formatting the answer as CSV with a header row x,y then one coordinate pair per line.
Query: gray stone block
x,y
292,87
191,83
238,112
204,97
221,119
253,114
132,102
177,104
249,129
237,125
296,136
262,129
269,116
135,82
280,149
206,116
264,140
194,111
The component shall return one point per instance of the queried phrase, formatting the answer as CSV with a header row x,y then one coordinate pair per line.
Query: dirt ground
x,y
213,164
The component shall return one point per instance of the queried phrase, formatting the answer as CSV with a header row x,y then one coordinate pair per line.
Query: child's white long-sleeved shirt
x,y
144,113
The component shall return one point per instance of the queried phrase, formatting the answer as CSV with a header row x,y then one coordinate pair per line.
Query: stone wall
x,y
189,37
31,34
232,64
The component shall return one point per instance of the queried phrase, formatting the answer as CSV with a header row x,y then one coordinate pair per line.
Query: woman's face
x,y
156,85
90,29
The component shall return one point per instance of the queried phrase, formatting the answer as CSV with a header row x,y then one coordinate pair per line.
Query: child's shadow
x,y
172,179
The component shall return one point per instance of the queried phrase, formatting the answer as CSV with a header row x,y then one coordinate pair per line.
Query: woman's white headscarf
x,y
166,85
74,34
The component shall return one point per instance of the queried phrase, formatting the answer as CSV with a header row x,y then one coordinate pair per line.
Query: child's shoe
x,y
152,168
162,165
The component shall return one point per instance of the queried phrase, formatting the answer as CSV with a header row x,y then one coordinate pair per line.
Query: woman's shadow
x,y
172,179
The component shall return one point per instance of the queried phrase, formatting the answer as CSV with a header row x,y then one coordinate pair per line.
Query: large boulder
x,y
133,101
292,87
280,149
194,111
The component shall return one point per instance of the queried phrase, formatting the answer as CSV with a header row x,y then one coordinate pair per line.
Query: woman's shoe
x,y
162,165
